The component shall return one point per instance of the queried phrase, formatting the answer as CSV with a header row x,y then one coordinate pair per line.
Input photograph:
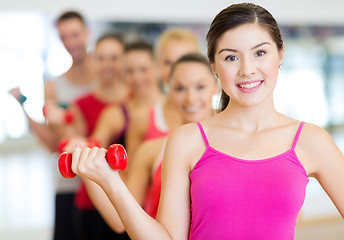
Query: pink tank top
x,y
152,199
157,126
237,199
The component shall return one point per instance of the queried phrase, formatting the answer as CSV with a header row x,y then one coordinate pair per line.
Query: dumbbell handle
x,y
116,156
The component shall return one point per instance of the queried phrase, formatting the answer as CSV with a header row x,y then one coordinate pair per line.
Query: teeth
x,y
249,85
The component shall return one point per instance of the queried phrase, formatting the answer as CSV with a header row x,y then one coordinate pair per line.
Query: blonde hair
x,y
179,34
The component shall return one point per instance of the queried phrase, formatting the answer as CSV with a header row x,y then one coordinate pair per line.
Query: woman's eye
x,y
179,89
200,87
260,53
231,58
143,69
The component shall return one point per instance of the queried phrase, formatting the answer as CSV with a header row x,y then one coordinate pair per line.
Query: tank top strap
x,y
205,139
125,113
121,135
297,135
159,118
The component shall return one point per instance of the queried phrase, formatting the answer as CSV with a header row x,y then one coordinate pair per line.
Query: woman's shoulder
x,y
148,152
314,139
315,147
309,135
186,132
185,142
312,134
112,112
152,146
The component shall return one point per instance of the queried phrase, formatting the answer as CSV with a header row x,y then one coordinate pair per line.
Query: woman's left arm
x,y
326,163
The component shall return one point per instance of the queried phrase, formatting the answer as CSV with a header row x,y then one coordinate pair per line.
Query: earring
x,y
280,66
216,77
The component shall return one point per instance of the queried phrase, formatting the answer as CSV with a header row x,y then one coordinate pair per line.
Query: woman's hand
x,y
91,164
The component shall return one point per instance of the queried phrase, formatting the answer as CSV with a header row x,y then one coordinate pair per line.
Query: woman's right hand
x,y
73,142
91,164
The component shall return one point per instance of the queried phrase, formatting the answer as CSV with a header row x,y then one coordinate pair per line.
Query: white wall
x,y
286,11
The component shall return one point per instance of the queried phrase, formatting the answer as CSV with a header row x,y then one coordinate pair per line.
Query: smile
x,y
250,85
192,109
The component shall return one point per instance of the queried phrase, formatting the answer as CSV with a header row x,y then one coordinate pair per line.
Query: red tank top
x,y
152,198
91,108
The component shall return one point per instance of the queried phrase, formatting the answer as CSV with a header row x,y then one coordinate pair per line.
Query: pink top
x,y
152,199
157,126
237,199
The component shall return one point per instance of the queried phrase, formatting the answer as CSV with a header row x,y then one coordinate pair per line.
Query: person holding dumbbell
x,y
59,93
241,174
141,75
151,115
110,89
192,88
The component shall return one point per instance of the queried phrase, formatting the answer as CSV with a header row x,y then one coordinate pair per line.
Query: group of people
x,y
194,172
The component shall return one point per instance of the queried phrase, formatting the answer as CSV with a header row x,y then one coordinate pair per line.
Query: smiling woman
x,y
251,57
309,87
247,166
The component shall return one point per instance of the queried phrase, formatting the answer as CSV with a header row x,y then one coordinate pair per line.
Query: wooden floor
x,y
326,229
27,198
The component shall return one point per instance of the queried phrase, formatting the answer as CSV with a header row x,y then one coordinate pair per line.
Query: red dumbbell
x,y
64,142
68,117
116,157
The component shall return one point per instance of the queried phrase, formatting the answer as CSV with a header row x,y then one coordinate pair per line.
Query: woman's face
x,y
170,52
109,60
73,35
192,87
140,72
247,62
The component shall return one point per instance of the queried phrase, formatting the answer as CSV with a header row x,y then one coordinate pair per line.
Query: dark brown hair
x,y
140,45
191,57
113,36
234,16
70,15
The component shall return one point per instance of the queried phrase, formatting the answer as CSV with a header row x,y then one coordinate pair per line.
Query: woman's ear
x,y
213,69
281,55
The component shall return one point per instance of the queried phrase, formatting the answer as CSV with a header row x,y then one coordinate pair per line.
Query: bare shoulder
x,y
151,148
139,117
314,136
315,148
153,145
112,110
137,112
187,135
112,114
144,156
185,144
